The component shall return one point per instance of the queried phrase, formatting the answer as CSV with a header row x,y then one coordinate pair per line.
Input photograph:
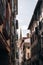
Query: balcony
x,y
5,34
4,42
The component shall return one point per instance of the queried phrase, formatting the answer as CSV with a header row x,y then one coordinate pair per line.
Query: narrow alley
x,y
21,32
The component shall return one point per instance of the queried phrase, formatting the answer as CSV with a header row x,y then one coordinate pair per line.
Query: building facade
x,y
8,12
36,28
27,50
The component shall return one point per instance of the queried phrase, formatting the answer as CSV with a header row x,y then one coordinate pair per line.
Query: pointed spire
x,y
20,33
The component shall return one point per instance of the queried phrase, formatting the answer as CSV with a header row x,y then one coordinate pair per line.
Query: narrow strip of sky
x,y
25,12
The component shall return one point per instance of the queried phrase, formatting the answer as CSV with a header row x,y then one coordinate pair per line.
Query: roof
x,y
24,37
34,16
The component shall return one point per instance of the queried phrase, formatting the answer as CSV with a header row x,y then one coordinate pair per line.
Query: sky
x,y
25,12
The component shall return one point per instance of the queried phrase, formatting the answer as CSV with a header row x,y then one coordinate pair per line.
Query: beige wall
x,y
28,53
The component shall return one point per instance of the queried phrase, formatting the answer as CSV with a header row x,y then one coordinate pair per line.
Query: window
x,y
17,56
7,27
42,38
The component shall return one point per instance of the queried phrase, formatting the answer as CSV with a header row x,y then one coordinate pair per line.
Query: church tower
x,y
20,33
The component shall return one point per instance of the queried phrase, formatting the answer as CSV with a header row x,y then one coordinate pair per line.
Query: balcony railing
x,y
5,42
5,34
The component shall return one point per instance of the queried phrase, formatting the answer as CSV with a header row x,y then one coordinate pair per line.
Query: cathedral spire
x,y
20,33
